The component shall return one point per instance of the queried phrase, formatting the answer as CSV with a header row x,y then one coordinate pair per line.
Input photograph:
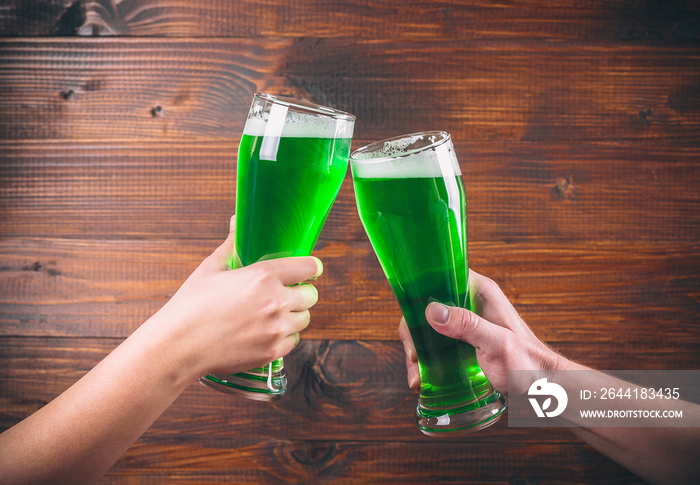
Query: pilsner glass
x,y
292,159
411,200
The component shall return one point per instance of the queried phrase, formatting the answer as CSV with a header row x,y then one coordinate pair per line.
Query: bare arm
x,y
219,321
504,342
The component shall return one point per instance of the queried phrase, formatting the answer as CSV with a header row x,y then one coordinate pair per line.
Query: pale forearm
x,y
83,432
219,321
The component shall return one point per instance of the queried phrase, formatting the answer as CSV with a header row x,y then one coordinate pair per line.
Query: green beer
x,y
292,159
411,200
282,204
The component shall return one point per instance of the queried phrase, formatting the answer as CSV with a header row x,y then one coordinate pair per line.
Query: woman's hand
x,y
227,321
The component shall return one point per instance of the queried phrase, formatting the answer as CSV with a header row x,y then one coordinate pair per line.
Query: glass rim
x,y
306,106
444,137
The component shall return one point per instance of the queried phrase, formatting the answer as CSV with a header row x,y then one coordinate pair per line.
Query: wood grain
x,y
615,299
349,390
364,462
348,417
577,126
596,20
498,91
519,192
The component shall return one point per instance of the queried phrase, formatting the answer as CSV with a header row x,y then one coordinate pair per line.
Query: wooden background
x,y
577,126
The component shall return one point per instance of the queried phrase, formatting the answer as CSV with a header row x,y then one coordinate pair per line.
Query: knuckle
x,y
271,355
485,289
468,323
275,305
503,347
261,275
281,349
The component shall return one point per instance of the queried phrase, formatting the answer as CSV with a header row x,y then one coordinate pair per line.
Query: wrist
x,y
550,360
553,361
171,352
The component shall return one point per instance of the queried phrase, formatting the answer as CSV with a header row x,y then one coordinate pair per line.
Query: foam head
x,y
284,117
420,155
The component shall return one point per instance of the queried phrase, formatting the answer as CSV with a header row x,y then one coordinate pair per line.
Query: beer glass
x,y
292,159
411,200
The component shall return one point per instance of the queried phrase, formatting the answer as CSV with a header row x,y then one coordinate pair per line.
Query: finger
x,y
287,345
299,321
462,324
412,373
405,337
222,256
302,297
291,271
488,300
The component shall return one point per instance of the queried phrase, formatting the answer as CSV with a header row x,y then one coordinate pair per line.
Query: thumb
x,y
465,325
223,255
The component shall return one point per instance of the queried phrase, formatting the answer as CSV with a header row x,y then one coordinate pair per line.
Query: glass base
x,y
267,383
463,419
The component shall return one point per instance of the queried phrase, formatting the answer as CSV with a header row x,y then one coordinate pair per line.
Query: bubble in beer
x,y
300,125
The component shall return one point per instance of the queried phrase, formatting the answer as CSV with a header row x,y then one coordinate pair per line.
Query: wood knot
x,y
71,20
38,266
563,189
34,267
516,480
314,454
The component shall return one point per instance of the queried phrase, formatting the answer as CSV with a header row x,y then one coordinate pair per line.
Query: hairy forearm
x,y
657,455
79,435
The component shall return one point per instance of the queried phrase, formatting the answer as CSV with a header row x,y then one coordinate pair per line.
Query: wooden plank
x,y
339,390
519,192
427,19
618,295
621,297
577,127
349,415
174,90
274,461
130,190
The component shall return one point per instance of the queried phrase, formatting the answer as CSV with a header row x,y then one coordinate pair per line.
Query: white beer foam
x,y
300,125
439,161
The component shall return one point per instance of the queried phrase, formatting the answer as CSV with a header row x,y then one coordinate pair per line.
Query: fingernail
x,y
412,379
319,271
407,349
439,313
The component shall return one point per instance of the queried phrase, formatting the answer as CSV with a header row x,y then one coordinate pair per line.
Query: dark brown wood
x,y
349,416
480,91
338,389
577,126
519,192
417,19
615,296
363,462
